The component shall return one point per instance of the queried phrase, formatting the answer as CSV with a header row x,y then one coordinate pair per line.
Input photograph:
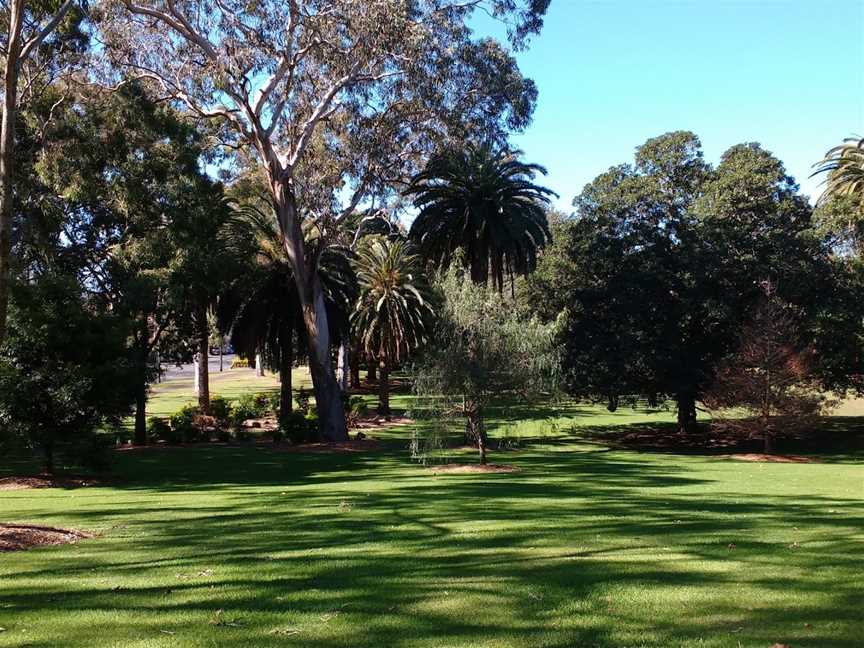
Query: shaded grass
x,y
585,546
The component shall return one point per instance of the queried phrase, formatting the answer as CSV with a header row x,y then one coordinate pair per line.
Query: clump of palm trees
x,y
478,205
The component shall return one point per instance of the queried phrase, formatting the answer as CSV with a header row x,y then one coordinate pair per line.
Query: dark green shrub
x,y
266,402
296,427
220,409
183,424
244,410
278,436
159,429
224,436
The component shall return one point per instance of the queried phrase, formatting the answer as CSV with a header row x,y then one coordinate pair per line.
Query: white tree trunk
x,y
343,367
259,366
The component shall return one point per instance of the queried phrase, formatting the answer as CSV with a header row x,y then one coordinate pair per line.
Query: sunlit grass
x,y
584,546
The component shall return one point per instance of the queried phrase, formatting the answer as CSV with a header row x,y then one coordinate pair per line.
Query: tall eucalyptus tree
x,y
338,99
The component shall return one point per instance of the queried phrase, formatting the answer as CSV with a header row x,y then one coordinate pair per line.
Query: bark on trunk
x,y
371,371
259,366
384,389
7,154
328,396
286,400
204,370
342,366
220,357
476,428
686,413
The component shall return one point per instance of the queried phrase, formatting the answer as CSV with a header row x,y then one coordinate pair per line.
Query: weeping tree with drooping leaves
x,y
482,201
394,313
337,100
483,349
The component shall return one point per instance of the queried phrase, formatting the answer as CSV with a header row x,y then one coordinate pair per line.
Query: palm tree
x,y
482,202
393,311
844,166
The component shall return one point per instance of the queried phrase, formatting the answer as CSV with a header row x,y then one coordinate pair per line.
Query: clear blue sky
x,y
612,73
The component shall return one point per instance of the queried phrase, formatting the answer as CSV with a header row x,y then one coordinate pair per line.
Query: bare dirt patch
x,y
18,537
44,481
357,445
768,458
472,468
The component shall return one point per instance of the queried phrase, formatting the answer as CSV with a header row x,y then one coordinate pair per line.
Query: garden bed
x,y
19,537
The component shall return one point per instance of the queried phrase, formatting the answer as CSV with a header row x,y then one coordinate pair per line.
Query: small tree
x,y
62,368
770,379
482,349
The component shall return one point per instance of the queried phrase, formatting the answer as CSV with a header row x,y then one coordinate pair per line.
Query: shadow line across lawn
x,y
582,547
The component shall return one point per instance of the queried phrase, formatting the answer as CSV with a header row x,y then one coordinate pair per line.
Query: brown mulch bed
x,y
756,456
473,468
18,537
44,481
355,445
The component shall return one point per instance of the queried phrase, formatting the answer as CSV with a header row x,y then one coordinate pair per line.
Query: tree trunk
x,y
286,400
476,428
141,412
342,367
371,371
220,356
204,369
7,154
328,396
384,389
259,366
686,412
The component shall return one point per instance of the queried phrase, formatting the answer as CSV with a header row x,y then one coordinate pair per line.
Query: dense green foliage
x,y
661,264
394,313
483,348
62,372
483,202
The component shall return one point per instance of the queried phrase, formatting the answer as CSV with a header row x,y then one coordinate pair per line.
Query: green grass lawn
x,y
584,546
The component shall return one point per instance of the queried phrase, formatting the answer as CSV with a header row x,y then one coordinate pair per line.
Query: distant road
x,y
172,372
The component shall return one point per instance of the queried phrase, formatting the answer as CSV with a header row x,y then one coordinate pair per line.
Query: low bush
x,y
244,410
160,429
266,402
220,409
183,424
298,427
355,409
